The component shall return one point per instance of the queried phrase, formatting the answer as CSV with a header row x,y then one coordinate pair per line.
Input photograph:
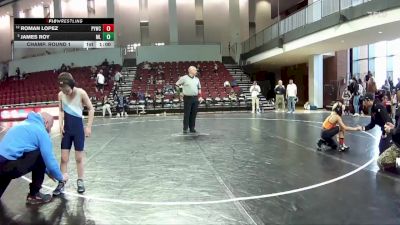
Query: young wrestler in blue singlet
x,y
71,103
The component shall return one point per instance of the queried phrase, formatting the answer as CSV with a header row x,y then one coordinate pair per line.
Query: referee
x,y
191,90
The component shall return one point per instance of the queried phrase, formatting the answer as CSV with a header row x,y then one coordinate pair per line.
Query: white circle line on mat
x,y
170,203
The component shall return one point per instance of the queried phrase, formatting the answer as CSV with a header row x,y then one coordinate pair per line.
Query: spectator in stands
x,y
106,106
390,80
227,84
18,72
63,68
93,98
100,82
122,105
291,96
371,85
118,77
146,66
255,90
280,93
110,72
179,92
199,70
160,79
105,63
112,66
25,148
140,96
115,90
168,89
234,83
191,90
23,75
5,72
386,86
93,69
151,80
232,95
147,97
215,69
159,95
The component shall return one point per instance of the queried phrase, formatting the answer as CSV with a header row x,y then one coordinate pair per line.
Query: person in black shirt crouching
x,y
379,116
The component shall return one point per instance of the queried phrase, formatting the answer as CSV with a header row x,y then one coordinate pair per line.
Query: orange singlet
x,y
327,124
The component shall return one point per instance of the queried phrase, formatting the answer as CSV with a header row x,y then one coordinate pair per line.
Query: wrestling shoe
x,y
343,148
59,189
81,186
319,144
38,198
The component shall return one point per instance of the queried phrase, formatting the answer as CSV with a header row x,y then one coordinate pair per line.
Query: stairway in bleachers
x,y
129,74
245,83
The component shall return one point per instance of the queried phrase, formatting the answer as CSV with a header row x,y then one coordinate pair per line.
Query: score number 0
x,y
108,27
108,32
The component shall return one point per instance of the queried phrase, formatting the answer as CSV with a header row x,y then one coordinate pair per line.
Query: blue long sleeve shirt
x,y
31,135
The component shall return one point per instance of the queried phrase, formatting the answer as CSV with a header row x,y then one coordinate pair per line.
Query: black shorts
x,y
100,86
326,134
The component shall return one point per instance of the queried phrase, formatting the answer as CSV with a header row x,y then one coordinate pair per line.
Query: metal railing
x,y
312,13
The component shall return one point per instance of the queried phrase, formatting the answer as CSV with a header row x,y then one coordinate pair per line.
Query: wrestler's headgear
x,y
338,108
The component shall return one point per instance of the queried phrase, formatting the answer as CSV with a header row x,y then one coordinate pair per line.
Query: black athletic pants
x,y
29,162
327,135
384,143
190,105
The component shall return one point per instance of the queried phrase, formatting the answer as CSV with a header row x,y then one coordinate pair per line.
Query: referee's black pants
x,y
190,105
29,162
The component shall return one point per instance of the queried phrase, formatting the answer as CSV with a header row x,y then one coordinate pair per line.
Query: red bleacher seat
x,y
42,86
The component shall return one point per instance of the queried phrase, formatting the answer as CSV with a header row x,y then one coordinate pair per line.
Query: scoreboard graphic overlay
x,y
63,33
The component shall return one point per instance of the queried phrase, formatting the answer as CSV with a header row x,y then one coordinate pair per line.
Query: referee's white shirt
x,y
190,85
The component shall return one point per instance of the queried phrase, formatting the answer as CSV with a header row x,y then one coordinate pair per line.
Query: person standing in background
x,y
255,101
291,95
280,92
346,96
